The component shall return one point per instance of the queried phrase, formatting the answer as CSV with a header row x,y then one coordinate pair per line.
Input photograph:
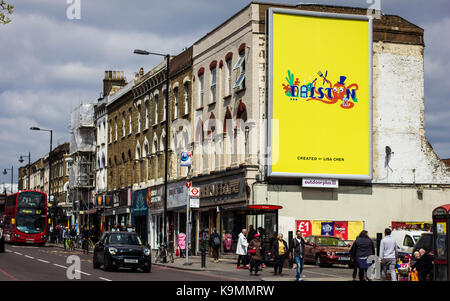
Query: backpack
x,y
216,240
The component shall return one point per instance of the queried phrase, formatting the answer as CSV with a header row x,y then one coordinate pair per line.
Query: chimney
x,y
112,78
141,72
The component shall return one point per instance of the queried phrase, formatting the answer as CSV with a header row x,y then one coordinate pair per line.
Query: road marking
x,y
8,275
61,266
18,253
44,261
84,273
9,251
104,279
29,257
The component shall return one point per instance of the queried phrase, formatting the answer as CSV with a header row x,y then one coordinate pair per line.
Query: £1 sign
x,y
304,227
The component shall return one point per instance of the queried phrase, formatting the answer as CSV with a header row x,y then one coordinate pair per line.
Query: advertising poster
x,y
346,230
320,95
327,229
341,230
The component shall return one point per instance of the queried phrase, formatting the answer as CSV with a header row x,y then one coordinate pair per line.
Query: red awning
x,y
265,207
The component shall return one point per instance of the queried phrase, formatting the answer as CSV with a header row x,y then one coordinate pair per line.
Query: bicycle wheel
x,y
158,255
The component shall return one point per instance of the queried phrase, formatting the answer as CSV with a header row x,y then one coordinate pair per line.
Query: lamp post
x,y
29,167
12,176
49,164
166,148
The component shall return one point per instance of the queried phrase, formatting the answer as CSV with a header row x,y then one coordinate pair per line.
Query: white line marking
x,y
104,279
44,261
84,273
18,253
9,251
29,257
61,266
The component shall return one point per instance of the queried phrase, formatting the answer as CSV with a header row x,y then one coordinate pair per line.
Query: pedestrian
x,y
413,270
423,266
251,233
298,253
279,252
182,243
115,228
262,239
214,242
241,249
130,228
51,234
388,255
2,238
66,237
205,240
361,249
254,249
85,240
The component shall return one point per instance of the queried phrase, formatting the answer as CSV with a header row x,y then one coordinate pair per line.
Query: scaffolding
x,y
82,153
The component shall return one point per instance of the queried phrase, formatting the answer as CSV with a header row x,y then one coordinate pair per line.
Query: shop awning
x,y
265,207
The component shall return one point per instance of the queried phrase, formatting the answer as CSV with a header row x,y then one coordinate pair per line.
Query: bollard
x,y
203,258
379,238
291,237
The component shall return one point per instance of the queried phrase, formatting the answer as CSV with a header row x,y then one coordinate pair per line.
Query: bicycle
x,y
164,253
87,244
72,243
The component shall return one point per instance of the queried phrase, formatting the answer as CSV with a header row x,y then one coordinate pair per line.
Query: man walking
x,y
279,252
297,251
388,255
241,249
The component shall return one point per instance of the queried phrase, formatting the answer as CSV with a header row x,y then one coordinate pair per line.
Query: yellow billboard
x,y
320,95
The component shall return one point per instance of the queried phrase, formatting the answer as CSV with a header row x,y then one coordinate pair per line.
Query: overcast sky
x,y
49,64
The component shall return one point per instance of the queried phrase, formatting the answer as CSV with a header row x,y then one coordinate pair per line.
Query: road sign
x,y
194,192
194,203
188,185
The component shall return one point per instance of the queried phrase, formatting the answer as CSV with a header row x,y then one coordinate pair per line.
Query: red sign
x,y
265,207
341,230
194,192
188,184
149,197
305,227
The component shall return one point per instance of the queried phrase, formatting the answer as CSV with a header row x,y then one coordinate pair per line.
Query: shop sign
x,y
186,159
320,183
155,197
346,230
177,195
139,202
220,189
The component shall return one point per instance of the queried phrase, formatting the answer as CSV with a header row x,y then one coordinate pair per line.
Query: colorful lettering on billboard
x,y
341,230
320,95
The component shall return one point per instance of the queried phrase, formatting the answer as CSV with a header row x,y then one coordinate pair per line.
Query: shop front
x,y
223,197
120,212
139,213
176,211
155,214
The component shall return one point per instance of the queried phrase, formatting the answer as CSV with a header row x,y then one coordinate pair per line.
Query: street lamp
x,y
29,166
166,148
49,162
12,175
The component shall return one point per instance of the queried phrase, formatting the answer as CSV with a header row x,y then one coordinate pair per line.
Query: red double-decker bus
x,y
25,217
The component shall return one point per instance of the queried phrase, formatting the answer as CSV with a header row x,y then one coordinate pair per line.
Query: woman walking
x,y
361,249
254,249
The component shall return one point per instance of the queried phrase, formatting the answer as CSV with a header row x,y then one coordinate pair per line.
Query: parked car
x,y
122,249
425,242
406,239
327,250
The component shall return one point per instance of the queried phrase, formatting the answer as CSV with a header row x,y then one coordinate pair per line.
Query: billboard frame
x,y
269,37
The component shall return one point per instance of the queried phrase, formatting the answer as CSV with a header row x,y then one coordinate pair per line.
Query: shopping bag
x,y
414,275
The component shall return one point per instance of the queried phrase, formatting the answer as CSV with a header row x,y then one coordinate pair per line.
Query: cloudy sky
x,y
49,63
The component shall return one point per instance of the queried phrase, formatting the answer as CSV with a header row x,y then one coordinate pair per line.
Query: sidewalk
x,y
228,264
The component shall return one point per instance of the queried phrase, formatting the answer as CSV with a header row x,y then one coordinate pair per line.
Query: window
x,y
186,98
213,84
130,114
201,86
110,131
156,108
146,114
175,100
123,124
408,242
240,64
115,119
164,109
139,118
228,81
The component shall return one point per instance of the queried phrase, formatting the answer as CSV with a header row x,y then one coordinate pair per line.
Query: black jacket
x,y
298,248
275,248
362,247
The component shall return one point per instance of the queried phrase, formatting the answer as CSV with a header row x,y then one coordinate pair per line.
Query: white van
x,y
406,239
